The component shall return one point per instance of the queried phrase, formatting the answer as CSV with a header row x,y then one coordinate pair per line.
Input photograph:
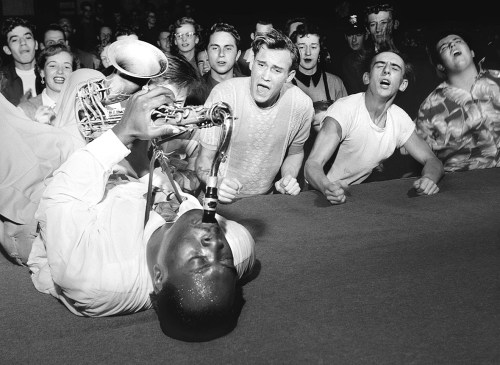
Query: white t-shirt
x,y
29,80
363,144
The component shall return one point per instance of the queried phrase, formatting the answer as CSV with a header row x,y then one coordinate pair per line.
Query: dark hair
x,y
194,323
408,72
304,29
181,73
275,39
10,23
125,30
52,27
376,6
51,51
290,21
225,27
433,37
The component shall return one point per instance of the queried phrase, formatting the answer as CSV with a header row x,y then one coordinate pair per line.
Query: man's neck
x,y
221,77
189,55
24,66
377,107
463,79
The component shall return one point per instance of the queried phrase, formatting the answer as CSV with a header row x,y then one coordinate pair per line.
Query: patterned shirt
x,y
261,137
463,128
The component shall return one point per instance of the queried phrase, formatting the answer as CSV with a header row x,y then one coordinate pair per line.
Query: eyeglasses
x,y
188,35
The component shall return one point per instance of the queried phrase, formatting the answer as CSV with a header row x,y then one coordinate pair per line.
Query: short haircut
x,y
275,39
433,37
12,22
408,72
51,27
51,51
225,27
182,322
181,73
376,6
125,30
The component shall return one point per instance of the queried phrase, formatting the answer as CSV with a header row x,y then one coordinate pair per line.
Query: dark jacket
x,y
13,87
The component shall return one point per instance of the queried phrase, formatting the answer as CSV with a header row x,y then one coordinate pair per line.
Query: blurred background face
x,y
222,52
56,71
52,37
164,41
355,41
202,62
380,26
309,48
66,25
105,35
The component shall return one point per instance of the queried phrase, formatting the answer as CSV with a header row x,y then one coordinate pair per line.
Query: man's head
x,y
307,38
262,27
388,73
105,35
67,27
202,60
52,34
450,51
164,40
180,77
195,279
19,41
186,33
380,21
124,32
354,32
223,48
151,19
275,63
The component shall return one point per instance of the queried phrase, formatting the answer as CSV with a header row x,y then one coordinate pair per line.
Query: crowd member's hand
x,y
45,115
27,95
288,185
335,192
228,190
425,186
136,120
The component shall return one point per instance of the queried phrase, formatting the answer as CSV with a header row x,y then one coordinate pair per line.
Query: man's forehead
x,y
19,31
383,15
222,36
389,57
263,28
275,57
54,35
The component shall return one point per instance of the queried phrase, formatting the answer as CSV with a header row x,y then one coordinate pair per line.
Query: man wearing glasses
x,y
186,36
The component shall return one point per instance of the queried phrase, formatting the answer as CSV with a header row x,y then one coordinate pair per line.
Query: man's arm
x,y
327,141
227,188
432,170
289,170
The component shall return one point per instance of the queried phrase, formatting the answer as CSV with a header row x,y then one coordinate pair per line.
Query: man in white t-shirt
x,y
22,79
366,128
272,122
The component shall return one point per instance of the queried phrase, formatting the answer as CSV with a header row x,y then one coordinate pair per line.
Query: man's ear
x,y
472,53
157,278
252,36
36,45
403,85
396,24
366,78
6,49
290,77
440,67
238,54
41,46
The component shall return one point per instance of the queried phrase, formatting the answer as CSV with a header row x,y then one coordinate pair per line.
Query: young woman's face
x,y
57,70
